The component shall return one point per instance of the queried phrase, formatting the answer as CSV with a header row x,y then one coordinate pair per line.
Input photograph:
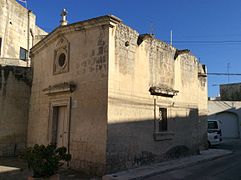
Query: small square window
x,y
23,54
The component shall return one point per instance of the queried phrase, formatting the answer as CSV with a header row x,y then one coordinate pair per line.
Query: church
x,y
115,98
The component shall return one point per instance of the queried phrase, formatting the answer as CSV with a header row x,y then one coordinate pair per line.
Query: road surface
x,y
225,168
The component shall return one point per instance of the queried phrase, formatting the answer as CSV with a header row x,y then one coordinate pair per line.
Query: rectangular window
x,y
162,119
23,54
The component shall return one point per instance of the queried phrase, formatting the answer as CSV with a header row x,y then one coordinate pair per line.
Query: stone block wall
x,y
15,84
88,70
133,113
113,118
17,29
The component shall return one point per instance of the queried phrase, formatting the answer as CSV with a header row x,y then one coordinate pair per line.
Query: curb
x,y
147,171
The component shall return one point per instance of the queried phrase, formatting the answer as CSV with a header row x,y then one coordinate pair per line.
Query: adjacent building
x,y
229,114
230,92
227,109
18,33
115,98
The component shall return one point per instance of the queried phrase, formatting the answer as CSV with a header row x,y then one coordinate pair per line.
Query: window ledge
x,y
162,136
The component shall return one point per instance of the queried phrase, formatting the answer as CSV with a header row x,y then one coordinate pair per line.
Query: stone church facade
x,y
115,98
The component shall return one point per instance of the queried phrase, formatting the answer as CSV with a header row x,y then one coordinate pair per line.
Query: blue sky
x,y
206,27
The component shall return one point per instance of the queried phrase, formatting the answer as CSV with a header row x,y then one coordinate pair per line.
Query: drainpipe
x,y
28,38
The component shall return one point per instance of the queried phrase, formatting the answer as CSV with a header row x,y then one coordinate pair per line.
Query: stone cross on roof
x,y
63,21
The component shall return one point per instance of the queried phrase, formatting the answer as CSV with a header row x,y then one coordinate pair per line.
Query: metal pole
x,y
28,38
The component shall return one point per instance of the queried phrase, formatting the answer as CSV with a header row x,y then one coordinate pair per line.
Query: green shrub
x,y
45,161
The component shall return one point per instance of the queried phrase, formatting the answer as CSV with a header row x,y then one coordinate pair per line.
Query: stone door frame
x,y
55,103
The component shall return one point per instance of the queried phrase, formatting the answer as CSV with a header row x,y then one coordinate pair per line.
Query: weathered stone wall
x,y
203,102
133,136
161,63
38,35
15,84
88,71
14,29
15,22
230,92
191,81
113,117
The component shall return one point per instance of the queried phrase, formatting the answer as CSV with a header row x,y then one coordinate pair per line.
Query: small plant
x,y
45,161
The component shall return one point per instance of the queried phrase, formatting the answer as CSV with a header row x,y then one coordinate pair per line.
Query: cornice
x,y
109,20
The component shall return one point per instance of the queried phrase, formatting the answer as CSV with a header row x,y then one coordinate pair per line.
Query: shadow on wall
x,y
15,85
133,144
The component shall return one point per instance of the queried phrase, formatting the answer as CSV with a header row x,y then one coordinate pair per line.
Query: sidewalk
x,y
147,171
12,168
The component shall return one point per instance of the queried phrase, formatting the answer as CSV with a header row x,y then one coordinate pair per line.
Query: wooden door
x,y
62,127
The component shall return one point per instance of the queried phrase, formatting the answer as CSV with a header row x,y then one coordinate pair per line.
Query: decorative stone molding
x,y
60,88
61,56
163,91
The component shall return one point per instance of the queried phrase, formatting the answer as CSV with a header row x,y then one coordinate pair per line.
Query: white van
x,y
214,132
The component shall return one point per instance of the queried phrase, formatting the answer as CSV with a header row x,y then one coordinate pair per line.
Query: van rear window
x,y
212,125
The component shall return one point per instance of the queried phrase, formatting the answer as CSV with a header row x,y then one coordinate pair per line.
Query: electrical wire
x,y
208,42
225,74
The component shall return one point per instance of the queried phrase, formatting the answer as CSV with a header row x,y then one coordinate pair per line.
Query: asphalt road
x,y
225,168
